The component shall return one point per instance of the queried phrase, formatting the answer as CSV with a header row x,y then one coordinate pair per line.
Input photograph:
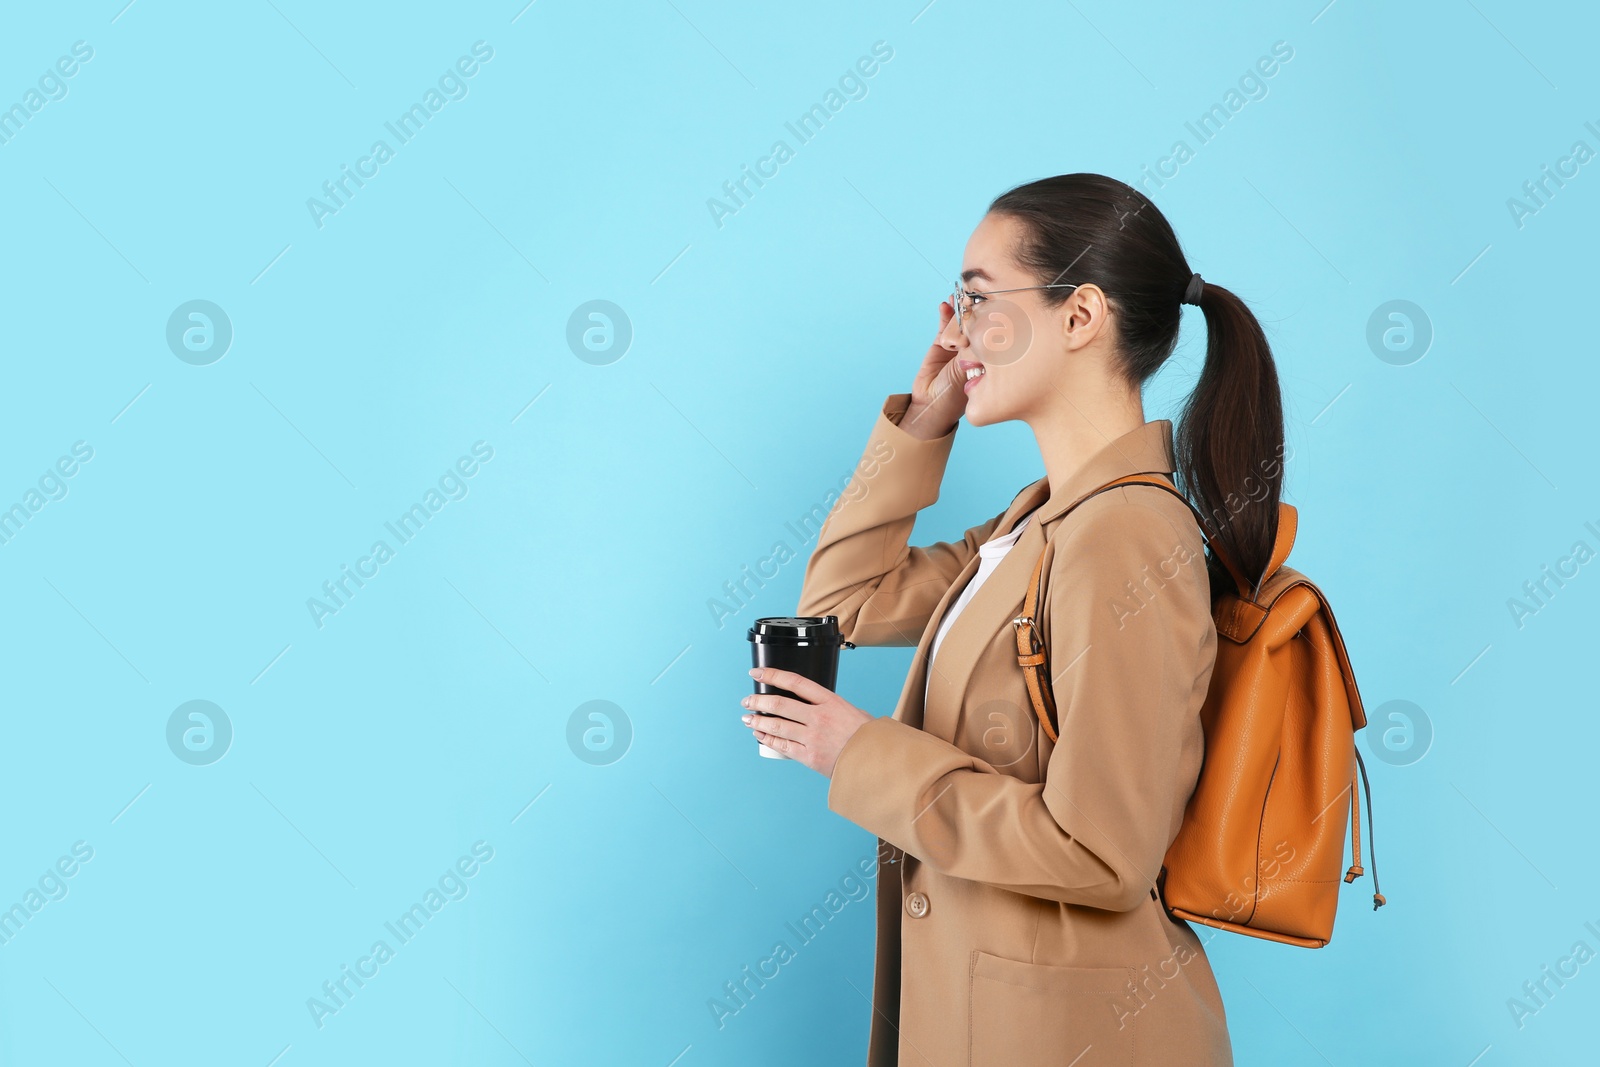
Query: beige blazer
x,y
1017,915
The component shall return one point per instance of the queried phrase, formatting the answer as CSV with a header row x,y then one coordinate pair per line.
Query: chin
x,y
982,412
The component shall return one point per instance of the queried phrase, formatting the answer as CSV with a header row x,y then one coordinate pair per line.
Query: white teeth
x,y
973,372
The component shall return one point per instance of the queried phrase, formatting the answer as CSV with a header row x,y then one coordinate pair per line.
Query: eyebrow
x,y
976,272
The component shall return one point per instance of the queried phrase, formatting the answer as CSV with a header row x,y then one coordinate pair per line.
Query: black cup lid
x,y
824,628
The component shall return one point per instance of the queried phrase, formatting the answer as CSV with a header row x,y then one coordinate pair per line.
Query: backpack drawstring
x,y
1355,870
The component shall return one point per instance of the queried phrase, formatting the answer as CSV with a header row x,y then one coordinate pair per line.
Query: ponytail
x,y
1229,440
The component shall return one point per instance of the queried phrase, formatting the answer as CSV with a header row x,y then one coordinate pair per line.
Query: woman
x,y
1019,920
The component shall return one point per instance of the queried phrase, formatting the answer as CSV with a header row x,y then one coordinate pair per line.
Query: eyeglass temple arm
x,y
1020,289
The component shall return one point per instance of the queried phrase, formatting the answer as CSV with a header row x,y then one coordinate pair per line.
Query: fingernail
x,y
744,718
754,671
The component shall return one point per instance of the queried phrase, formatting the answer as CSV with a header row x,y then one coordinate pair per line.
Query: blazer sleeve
x,y
1128,678
862,569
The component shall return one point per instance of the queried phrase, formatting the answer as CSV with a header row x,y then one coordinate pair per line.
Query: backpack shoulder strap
x,y
1031,644
1246,589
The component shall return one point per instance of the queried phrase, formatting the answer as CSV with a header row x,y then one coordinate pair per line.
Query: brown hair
x,y
1229,441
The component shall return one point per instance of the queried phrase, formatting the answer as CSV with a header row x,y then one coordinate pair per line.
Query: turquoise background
x,y
431,312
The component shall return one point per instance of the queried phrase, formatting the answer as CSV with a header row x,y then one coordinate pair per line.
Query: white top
x,y
991,553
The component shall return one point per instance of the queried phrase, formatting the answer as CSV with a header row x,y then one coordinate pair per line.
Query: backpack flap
x,y
1238,620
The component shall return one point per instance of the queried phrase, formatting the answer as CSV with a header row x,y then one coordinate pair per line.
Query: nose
x,y
952,338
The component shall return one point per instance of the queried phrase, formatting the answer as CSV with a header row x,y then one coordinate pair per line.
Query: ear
x,y
1083,316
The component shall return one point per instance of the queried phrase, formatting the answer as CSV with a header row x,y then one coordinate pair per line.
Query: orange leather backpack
x,y
1255,854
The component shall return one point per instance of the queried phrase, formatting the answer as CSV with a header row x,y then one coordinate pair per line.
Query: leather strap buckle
x,y
1033,632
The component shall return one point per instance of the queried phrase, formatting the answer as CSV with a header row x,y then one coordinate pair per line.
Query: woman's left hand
x,y
822,721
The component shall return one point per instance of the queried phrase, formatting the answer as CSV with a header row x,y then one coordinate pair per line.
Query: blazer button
x,y
917,905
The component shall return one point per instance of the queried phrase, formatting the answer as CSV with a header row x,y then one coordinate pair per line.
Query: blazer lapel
x,y
911,708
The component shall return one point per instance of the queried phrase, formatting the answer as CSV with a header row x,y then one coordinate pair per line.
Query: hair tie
x,y
1191,295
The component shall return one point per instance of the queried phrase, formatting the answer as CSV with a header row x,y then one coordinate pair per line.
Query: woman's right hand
x,y
937,397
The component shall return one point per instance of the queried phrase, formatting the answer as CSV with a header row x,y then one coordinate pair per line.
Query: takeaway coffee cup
x,y
807,645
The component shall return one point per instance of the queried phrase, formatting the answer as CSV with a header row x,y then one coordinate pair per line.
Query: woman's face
x,y
1016,338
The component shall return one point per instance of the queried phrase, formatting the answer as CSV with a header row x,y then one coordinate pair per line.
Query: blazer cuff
x,y
863,787
894,409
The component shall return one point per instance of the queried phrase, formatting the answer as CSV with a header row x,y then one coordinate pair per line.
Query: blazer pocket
x,y
1034,1013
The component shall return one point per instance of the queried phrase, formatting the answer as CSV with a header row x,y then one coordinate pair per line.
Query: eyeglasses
x,y
964,299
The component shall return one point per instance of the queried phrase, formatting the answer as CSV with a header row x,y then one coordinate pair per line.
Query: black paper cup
x,y
808,645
